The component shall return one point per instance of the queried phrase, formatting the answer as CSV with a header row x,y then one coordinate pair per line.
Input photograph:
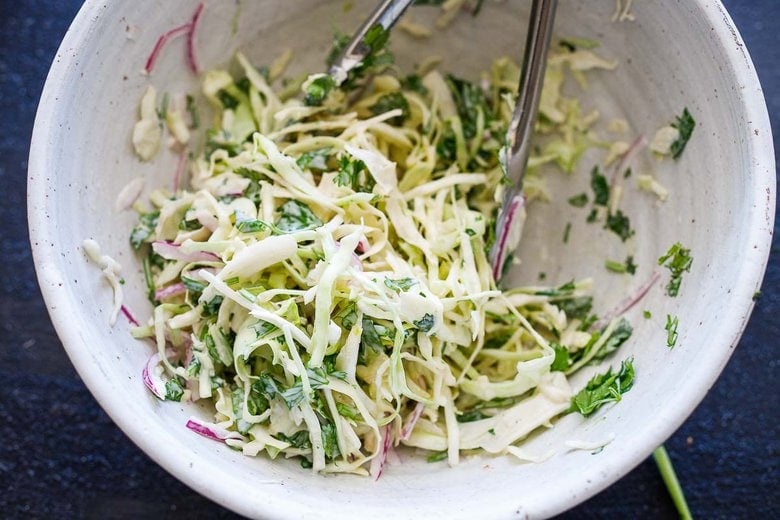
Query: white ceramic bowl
x,y
675,55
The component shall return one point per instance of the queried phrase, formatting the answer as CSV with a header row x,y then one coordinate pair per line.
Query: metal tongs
x,y
520,129
521,126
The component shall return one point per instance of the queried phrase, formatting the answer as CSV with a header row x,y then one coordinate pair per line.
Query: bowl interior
x,y
721,206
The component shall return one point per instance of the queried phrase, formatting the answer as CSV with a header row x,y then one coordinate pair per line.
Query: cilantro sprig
x,y
604,388
678,260
684,125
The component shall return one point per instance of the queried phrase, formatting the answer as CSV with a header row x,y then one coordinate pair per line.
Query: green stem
x,y
672,484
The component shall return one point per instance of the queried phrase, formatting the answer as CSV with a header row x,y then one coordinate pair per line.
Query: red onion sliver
x,y
161,41
179,173
151,379
503,234
378,462
625,305
170,291
211,430
193,25
171,251
129,315
406,431
633,149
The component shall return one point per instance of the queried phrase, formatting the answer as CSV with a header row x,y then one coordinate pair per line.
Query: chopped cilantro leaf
x,y
413,82
144,229
314,159
572,44
576,308
392,101
348,316
252,226
684,125
604,388
600,187
375,61
318,89
351,173
630,265
563,290
211,307
579,201
620,334
192,109
228,100
671,330
173,390
437,456
330,442
294,395
471,104
192,285
297,216
617,267
561,361
678,260
350,412
401,284
370,336
619,224
299,439
425,324
265,385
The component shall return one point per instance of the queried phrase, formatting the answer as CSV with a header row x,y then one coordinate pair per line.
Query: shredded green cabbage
x,y
323,281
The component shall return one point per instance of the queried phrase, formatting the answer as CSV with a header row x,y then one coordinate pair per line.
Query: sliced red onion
x,y
129,315
406,431
191,56
179,173
188,351
161,42
152,378
170,291
362,246
508,220
625,305
171,251
633,149
378,462
187,29
129,194
211,430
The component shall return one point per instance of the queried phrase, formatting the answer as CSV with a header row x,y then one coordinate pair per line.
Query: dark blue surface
x,y
60,455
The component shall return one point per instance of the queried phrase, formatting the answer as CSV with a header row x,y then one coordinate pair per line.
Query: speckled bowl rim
x,y
658,429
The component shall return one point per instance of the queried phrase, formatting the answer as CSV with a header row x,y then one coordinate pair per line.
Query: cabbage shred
x,y
331,278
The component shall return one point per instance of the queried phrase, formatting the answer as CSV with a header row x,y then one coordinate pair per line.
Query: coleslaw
x,y
323,279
